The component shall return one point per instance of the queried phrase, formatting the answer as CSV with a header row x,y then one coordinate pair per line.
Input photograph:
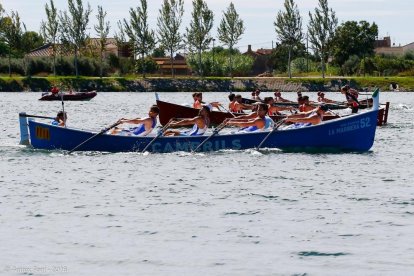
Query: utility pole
x,y
307,52
213,55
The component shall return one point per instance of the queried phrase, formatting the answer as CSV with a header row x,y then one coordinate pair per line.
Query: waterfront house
x,y
384,46
262,60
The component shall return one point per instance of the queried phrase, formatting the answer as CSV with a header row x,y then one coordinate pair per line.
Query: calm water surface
x,y
225,213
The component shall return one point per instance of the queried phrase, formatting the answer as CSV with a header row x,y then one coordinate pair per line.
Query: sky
x,y
393,17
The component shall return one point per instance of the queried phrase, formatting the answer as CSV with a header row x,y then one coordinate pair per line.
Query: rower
x,y
273,109
200,124
322,99
198,102
313,117
305,106
144,125
351,96
252,122
60,119
278,97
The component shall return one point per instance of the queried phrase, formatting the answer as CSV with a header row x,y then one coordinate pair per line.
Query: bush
x,y
148,64
218,64
299,65
17,66
351,66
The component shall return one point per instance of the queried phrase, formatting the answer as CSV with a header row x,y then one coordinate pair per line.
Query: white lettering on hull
x,y
351,126
188,146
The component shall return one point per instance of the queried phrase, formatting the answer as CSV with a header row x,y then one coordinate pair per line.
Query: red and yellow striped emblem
x,y
42,133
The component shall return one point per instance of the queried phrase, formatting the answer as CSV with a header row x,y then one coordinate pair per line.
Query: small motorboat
x,y
68,96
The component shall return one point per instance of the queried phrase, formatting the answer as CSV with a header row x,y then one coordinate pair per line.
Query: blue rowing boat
x,y
352,133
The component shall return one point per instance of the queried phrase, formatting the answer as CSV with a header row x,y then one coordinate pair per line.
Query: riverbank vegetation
x,y
135,83
323,48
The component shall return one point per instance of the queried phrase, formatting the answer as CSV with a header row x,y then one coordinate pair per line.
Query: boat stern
x,y
24,129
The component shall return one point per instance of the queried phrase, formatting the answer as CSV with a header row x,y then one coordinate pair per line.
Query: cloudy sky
x,y
393,17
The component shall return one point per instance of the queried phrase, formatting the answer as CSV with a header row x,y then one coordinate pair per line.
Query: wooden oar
x,y
158,135
273,130
228,111
94,136
35,116
215,132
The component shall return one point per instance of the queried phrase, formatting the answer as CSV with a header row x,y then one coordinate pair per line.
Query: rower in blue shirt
x,y
253,122
144,125
200,124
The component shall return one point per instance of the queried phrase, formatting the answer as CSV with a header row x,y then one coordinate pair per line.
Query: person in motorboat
x,y
313,117
253,122
351,96
200,124
60,119
144,125
54,90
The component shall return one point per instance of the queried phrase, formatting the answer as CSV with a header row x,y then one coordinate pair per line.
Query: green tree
x,y
73,27
49,30
198,36
322,26
289,28
169,22
280,55
351,65
30,40
354,39
12,31
121,44
230,30
3,46
158,52
102,30
139,33
242,64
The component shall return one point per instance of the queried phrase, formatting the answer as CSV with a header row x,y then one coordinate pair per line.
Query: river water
x,y
223,213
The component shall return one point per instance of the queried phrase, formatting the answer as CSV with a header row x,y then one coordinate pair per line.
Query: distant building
x,y
262,60
92,46
383,43
179,65
383,46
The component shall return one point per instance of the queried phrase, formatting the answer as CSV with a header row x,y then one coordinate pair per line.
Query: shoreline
x,y
191,84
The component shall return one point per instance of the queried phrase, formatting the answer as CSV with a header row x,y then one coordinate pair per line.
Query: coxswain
x,y
351,96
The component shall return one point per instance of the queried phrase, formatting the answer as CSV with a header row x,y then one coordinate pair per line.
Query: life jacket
x,y
55,90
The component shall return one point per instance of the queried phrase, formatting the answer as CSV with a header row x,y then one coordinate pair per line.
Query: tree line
x,y
348,47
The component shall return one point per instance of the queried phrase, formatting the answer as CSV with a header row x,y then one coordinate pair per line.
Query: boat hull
x,y
82,96
367,103
352,133
170,110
